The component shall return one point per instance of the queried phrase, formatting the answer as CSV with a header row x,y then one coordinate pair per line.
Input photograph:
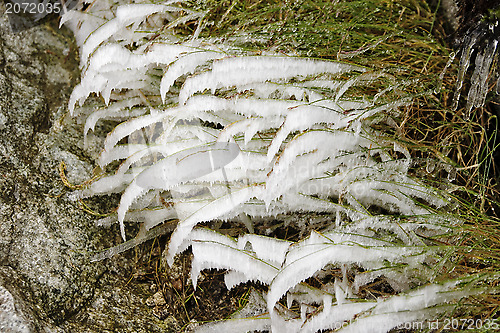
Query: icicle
x,y
335,163
301,118
451,58
479,80
336,317
340,294
452,172
110,114
110,184
430,165
462,68
120,152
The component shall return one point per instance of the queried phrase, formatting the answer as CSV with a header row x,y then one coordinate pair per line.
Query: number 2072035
x,y
32,8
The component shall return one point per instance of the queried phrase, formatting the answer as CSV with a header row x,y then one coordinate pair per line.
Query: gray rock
x,y
15,314
46,281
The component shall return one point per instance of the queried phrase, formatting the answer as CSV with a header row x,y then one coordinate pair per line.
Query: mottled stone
x,y
47,283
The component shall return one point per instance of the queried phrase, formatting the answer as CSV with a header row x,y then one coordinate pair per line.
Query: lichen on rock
x,y
46,279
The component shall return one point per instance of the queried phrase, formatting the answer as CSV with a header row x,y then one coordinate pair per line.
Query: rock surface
x,y
46,281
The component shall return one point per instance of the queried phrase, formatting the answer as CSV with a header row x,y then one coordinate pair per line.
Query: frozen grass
x,y
450,156
390,35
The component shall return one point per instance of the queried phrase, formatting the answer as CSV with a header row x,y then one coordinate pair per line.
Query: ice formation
x,y
480,46
249,138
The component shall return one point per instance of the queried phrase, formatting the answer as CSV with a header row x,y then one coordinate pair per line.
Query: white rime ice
x,y
255,139
185,65
245,70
